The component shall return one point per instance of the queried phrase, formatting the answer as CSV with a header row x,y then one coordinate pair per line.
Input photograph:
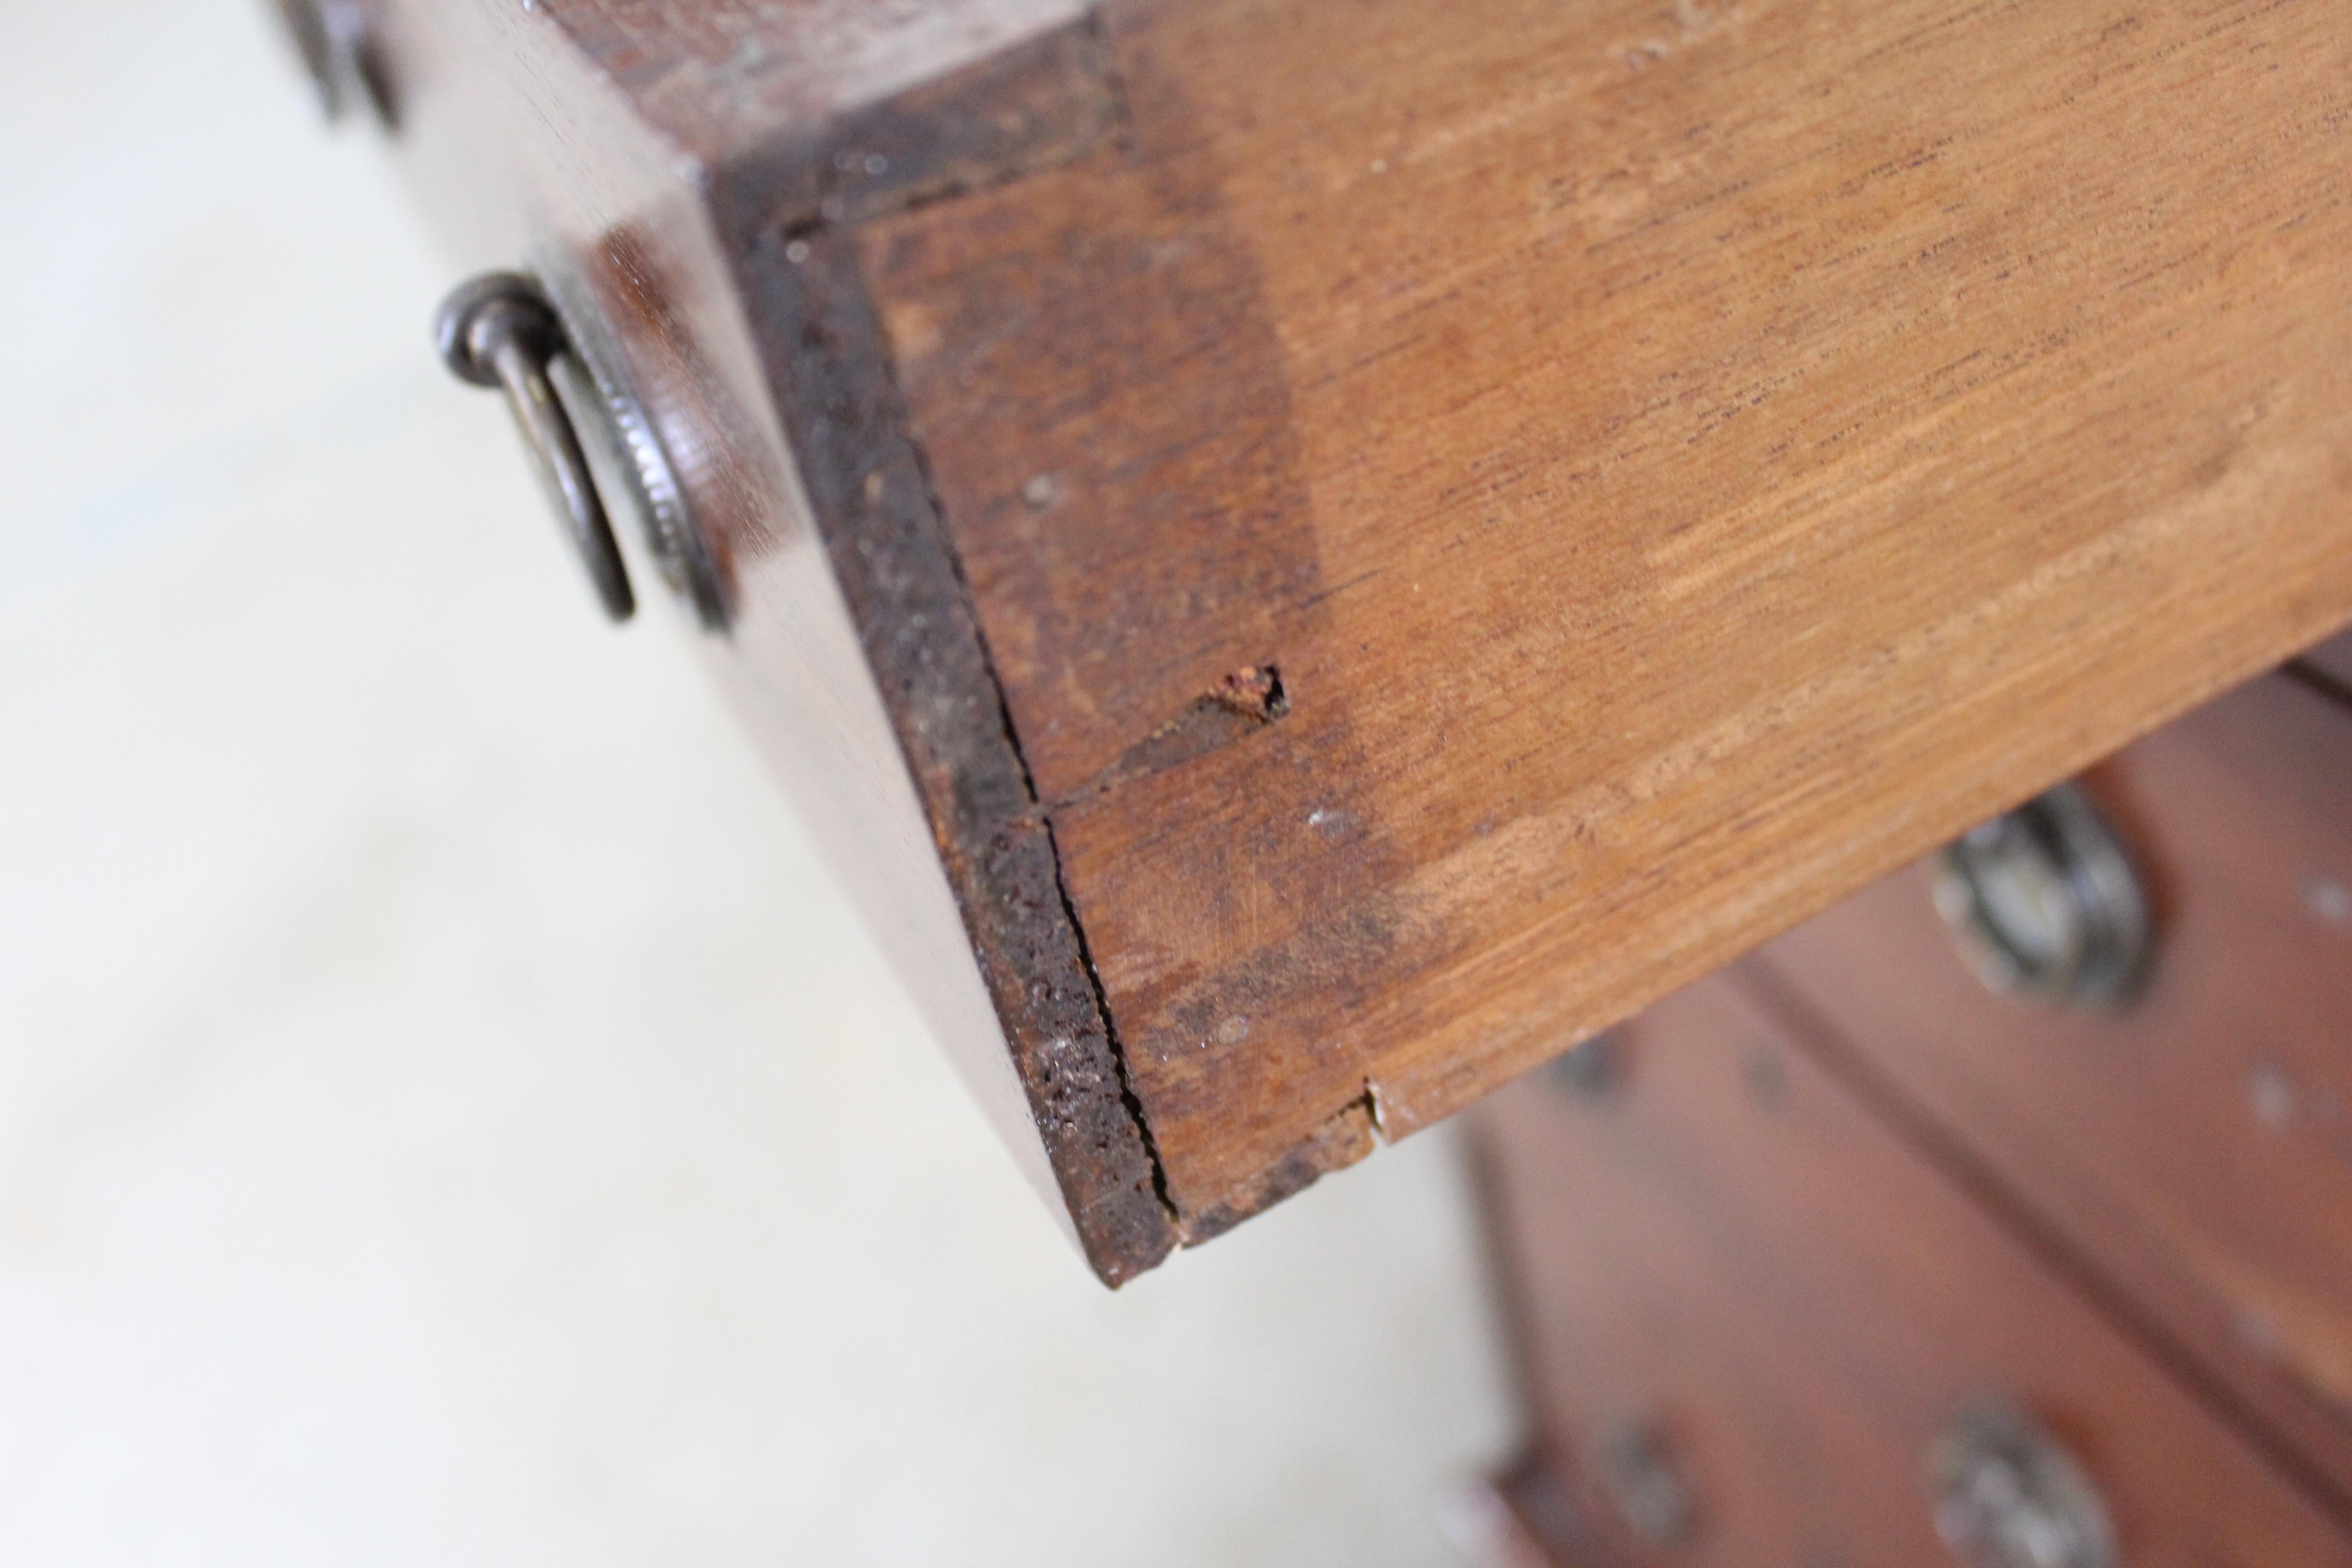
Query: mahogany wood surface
x,y
1682,463
1728,1252
1384,536
2198,1147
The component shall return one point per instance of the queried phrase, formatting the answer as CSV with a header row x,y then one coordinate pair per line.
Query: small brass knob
x,y
2007,1495
2046,905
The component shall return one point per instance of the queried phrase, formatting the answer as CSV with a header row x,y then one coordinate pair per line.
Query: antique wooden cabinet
x,y
1878,1243
1307,557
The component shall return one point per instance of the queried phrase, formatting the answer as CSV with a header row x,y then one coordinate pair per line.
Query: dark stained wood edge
x,y
1040,104
1332,1144
880,523
829,371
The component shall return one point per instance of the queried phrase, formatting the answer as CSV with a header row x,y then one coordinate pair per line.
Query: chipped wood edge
x,y
782,212
786,213
880,521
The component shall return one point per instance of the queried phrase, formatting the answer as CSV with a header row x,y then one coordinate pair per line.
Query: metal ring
x,y
636,477
498,331
2045,904
2007,1495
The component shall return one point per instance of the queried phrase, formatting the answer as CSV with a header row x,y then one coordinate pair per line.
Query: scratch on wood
x,y
1238,706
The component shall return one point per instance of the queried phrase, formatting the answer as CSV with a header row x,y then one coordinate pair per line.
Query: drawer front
x,y
1750,1315
2197,1144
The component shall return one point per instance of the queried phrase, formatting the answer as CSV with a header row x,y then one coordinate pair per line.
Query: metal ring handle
x,y
2007,1495
2045,904
499,330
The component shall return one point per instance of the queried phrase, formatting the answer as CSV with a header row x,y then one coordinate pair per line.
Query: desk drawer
x,y
1760,1330
2196,1144
1300,559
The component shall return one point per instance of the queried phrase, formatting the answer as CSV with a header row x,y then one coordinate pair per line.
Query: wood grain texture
x,y
2196,1148
1683,462
1731,1254
1335,550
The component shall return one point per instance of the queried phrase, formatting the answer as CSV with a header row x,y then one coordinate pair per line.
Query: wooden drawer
x,y
1748,1313
2198,1146
1302,558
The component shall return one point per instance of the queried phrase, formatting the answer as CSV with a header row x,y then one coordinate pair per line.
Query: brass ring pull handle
x,y
2008,1495
499,330
2046,905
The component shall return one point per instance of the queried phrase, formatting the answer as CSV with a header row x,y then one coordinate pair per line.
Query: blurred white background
x,y
446,1114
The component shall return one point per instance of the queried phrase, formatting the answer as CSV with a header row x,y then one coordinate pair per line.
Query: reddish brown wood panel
x,y
1728,1254
1682,463
2198,1146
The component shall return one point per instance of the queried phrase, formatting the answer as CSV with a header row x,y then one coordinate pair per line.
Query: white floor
x,y
445,1116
